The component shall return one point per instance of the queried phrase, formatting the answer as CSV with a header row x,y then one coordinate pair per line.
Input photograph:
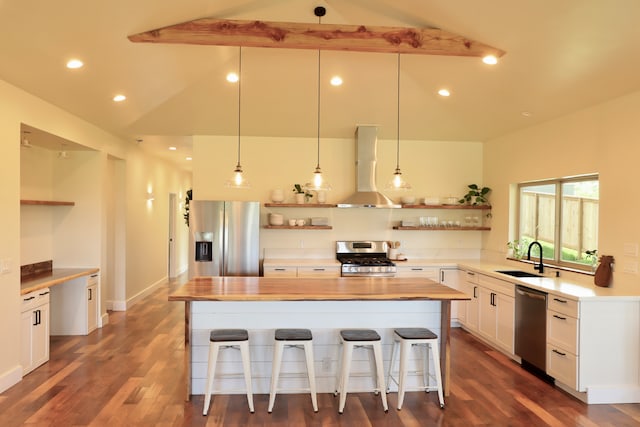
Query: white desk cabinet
x,y
74,306
34,327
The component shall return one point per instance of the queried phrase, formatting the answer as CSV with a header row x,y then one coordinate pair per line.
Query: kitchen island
x,y
325,305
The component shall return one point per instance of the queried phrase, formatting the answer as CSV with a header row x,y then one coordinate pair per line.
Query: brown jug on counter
x,y
603,272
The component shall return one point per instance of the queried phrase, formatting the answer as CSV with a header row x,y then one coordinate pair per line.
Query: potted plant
x,y
476,195
302,195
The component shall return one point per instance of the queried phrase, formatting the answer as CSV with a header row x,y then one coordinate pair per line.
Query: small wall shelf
x,y
476,207
299,227
401,227
46,202
299,205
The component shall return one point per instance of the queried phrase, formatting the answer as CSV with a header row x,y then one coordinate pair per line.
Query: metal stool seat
x,y
361,338
292,338
405,339
223,339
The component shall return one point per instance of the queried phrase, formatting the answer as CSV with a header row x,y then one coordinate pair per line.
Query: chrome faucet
x,y
539,267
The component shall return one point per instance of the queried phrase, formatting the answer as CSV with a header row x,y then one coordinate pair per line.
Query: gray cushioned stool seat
x,y
293,335
218,335
415,333
359,335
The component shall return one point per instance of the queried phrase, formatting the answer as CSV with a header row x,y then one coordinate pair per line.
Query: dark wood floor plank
x,y
131,373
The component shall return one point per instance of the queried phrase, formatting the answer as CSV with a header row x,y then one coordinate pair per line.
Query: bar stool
x,y
406,338
224,339
292,338
361,338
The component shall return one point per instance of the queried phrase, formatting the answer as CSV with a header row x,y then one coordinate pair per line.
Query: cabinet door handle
x,y
36,317
475,288
470,273
559,352
559,317
28,299
280,269
561,301
94,275
442,276
90,294
318,269
416,269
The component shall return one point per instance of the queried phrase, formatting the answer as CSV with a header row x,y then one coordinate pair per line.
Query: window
x,y
562,215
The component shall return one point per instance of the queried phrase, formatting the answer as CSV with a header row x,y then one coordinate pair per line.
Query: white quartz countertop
x,y
560,286
555,285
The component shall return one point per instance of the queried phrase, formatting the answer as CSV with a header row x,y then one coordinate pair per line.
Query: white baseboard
x,y
130,302
10,378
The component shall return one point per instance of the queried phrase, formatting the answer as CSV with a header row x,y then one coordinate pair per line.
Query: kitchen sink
x,y
518,273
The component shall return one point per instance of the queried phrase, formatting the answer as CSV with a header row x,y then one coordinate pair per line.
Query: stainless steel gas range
x,y
364,258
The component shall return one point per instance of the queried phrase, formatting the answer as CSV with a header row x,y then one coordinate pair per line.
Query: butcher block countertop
x,y
52,278
313,289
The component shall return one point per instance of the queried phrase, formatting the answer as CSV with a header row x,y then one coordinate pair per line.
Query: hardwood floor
x,y
131,373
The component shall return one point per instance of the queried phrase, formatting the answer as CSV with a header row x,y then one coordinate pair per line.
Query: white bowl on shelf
x,y
276,219
408,200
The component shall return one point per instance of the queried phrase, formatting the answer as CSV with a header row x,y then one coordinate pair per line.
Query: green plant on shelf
x,y
298,189
475,196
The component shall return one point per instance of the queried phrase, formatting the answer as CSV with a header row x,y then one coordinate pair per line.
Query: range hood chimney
x,y
366,195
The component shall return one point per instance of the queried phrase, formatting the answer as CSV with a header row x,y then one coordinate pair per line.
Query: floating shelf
x,y
46,203
299,205
299,227
483,207
400,227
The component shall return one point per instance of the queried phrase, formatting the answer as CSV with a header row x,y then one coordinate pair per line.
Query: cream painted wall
x,y
433,168
16,107
602,139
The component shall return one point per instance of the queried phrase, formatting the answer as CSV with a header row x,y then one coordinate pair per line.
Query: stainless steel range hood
x,y
366,195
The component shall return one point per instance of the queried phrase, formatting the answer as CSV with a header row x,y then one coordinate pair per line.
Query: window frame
x,y
558,243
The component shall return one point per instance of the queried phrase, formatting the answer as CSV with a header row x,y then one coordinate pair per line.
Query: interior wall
x,y
600,139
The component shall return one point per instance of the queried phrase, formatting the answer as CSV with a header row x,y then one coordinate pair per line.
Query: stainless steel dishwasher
x,y
531,327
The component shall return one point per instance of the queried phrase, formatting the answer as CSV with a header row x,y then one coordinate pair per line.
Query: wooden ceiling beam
x,y
287,35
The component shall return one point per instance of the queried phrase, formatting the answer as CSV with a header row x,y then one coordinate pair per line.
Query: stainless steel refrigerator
x,y
224,238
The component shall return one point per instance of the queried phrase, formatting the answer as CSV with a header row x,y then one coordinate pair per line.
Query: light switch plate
x,y
630,249
630,267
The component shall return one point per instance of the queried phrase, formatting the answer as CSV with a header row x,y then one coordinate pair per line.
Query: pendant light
x,y
397,182
238,180
318,183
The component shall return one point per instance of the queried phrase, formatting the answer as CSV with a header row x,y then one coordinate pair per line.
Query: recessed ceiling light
x,y
444,92
336,81
74,63
490,60
232,78
119,98
172,148
188,158
526,113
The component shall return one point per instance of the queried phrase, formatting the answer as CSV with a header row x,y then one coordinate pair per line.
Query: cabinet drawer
x,y
471,277
562,365
562,331
93,280
280,272
318,272
563,305
34,299
428,272
497,285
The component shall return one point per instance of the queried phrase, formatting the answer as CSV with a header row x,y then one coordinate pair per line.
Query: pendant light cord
x,y
318,164
239,86
398,122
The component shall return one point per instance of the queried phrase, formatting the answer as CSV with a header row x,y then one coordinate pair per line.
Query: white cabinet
x,y
469,285
496,312
562,340
34,328
449,277
75,306
302,271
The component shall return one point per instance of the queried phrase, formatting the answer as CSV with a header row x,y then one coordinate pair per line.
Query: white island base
x,y
324,318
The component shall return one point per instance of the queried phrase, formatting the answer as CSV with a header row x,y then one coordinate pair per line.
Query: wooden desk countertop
x,y
52,278
313,289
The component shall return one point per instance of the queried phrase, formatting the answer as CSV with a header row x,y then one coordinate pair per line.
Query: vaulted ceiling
x,y
560,56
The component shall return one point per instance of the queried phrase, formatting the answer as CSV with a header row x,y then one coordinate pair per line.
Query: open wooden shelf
x,y
299,227
299,205
46,203
482,207
439,228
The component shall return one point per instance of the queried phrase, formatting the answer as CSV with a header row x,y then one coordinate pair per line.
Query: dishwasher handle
x,y
531,294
